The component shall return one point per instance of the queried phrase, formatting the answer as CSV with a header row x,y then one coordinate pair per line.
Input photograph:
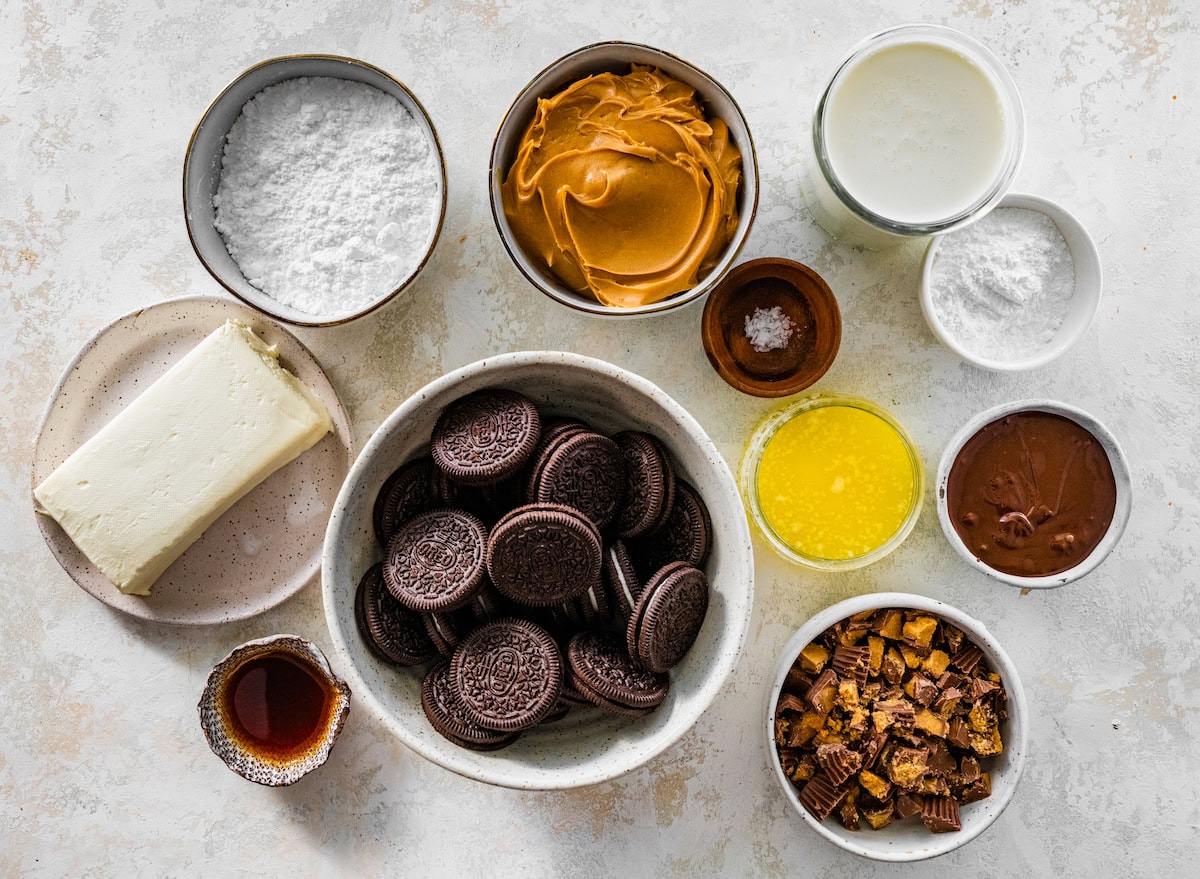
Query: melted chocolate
x,y
1031,494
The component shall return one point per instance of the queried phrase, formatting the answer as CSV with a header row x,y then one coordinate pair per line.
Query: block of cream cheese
x,y
144,488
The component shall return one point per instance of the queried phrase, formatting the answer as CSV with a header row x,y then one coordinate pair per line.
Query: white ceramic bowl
x,y
1121,474
909,840
585,747
202,173
616,57
1089,282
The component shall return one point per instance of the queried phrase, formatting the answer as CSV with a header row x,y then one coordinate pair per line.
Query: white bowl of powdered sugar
x,y
1014,290
314,188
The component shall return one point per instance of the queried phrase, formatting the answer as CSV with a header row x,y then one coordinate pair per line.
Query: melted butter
x,y
623,188
836,482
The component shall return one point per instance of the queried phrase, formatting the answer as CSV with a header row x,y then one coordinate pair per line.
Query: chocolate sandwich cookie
x,y
649,484
602,671
543,554
685,536
390,630
621,579
585,471
435,562
668,616
404,494
508,674
556,432
566,617
446,715
485,436
487,604
448,628
594,604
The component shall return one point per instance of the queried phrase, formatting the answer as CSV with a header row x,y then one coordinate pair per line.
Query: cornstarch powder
x,y
1003,285
328,194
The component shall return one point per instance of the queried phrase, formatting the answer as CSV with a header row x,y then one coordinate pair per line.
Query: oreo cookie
x,y
435,562
601,670
447,629
391,631
508,675
586,471
556,432
541,555
485,436
668,616
493,556
446,715
404,494
685,536
621,579
649,484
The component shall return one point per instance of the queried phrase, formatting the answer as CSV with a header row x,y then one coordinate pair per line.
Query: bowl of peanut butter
x,y
623,180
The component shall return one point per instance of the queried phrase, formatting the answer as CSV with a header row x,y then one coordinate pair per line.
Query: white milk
x,y
916,132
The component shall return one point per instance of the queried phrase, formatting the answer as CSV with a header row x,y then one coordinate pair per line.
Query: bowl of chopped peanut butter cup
x,y
896,726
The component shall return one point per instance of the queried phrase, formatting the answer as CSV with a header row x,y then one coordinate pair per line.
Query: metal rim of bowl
x,y
752,456
437,147
1116,459
542,284
1087,253
1016,747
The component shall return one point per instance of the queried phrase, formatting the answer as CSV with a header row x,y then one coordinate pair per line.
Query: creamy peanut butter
x,y
621,187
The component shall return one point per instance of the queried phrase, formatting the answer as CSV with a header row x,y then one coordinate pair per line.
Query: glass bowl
x,y
749,483
846,216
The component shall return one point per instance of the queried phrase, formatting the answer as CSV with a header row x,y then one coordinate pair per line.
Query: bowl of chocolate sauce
x,y
1034,493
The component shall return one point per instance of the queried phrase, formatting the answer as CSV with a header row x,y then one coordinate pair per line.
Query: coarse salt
x,y
769,329
329,194
1003,286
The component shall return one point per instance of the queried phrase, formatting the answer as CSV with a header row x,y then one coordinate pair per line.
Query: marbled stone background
x,y
103,770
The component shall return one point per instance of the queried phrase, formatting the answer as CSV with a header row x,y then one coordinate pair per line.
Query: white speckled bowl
x,y
616,57
908,840
1116,458
1089,282
202,172
586,747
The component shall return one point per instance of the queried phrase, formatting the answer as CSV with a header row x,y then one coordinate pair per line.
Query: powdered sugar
x,y
1002,286
768,329
329,194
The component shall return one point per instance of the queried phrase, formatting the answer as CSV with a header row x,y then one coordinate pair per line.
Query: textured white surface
x,y
103,769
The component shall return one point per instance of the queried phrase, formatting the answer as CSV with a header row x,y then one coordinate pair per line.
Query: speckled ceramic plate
x,y
268,545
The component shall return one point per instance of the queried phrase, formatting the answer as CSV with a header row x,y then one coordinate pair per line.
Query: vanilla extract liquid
x,y
279,704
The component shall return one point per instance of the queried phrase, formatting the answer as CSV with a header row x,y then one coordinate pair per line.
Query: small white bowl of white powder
x,y
1014,290
314,188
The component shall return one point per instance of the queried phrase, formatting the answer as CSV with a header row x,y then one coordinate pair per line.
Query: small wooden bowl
x,y
802,295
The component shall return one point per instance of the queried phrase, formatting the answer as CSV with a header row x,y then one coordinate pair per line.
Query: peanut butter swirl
x,y
623,188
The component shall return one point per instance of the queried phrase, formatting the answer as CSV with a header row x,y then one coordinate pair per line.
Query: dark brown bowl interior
x,y
803,296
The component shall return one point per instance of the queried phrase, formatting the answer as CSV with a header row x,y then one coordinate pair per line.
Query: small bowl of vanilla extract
x,y
273,708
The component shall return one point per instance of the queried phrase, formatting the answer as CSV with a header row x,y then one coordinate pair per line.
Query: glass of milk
x,y
920,131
